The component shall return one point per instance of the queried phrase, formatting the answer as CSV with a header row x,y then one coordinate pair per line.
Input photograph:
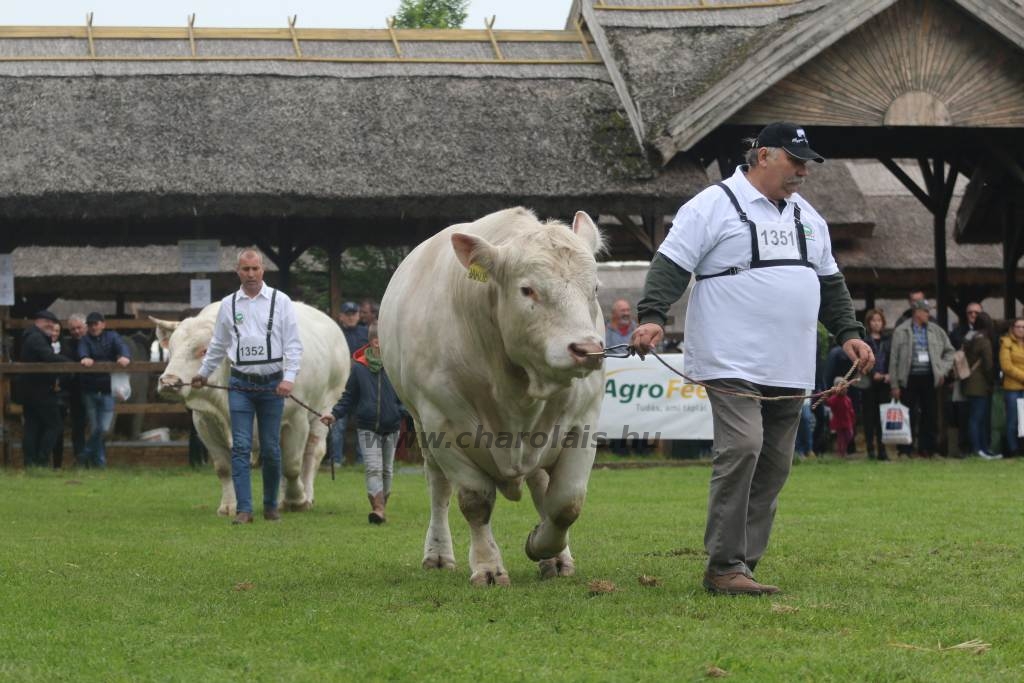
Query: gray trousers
x,y
752,456
379,456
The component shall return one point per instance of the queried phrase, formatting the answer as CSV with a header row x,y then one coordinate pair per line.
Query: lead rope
x,y
263,390
628,350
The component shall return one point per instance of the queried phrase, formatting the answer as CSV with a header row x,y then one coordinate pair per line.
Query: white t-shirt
x,y
759,325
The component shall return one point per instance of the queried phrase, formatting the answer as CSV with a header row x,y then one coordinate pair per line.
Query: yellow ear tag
x,y
477,272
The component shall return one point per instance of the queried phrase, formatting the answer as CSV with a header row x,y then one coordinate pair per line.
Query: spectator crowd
x,y
969,378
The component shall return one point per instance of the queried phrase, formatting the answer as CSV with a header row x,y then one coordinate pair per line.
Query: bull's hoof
x,y
496,577
304,506
530,552
226,510
555,567
438,562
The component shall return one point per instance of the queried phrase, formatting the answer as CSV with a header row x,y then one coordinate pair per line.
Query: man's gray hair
x,y
751,156
250,250
77,318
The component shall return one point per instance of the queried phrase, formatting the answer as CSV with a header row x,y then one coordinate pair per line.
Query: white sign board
x,y
6,280
199,256
199,293
643,397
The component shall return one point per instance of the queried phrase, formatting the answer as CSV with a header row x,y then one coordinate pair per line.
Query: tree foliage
x,y
365,274
431,13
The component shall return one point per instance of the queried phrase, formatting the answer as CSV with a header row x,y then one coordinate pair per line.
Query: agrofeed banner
x,y
644,396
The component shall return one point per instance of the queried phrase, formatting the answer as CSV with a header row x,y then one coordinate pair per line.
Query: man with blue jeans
x,y
99,344
257,331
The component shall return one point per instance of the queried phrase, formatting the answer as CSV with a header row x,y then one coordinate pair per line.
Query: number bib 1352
x,y
253,348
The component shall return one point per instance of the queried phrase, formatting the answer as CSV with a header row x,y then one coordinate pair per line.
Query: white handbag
x,y
895,419
1020,417
120,386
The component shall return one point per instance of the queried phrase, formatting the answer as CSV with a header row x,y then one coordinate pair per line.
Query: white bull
x,y
485,331
323,372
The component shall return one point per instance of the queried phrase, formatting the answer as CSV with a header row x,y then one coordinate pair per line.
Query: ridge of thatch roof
x,y
101,44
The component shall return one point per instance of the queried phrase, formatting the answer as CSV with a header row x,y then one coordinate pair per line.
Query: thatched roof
x,y
903,228
688,72
269,136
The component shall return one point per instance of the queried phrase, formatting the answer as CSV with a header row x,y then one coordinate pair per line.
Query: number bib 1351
x,y
778,241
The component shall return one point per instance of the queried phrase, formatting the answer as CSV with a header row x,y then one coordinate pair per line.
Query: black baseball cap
x,y
94,317
789,137
350,307
46,315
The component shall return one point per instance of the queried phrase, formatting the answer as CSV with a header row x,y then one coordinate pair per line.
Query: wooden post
x,y
334,251
939,211
4,385
88,34
583,40
295,38
394,37
1012,243
192,34
490,34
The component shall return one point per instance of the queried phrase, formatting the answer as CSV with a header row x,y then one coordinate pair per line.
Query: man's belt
x,y
258,379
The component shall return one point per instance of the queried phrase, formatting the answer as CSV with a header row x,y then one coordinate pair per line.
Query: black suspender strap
x,y
234,326
755,254
238,338
270,322
800,233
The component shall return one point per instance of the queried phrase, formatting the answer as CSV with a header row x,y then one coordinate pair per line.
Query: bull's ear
x,y
164,328
583,226
475,254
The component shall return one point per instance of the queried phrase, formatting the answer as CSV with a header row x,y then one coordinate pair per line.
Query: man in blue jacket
x,y
370,397
103,345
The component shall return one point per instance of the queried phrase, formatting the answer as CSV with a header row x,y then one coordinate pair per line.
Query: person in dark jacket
x,y
99,344
372,401
38,393
978,387
877,392
356,335
71,392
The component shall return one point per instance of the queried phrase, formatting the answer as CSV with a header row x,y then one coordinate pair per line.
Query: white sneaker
x,y
985,455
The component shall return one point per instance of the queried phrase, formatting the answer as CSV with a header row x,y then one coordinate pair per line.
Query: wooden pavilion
x,y
295,137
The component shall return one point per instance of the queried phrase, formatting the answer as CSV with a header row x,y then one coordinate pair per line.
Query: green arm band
x,y
665,284
836,312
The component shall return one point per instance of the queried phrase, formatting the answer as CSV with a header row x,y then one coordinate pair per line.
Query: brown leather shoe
x,y
735,583
242,518
272,515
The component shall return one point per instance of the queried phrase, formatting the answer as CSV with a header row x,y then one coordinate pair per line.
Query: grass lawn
x,y
128,575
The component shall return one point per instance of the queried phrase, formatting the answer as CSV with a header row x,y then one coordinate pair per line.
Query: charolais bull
x,y
321,380
491,333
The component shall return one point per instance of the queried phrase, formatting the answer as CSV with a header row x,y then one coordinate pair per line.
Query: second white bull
x,y
324,370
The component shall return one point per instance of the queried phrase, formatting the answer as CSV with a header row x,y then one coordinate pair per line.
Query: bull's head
x,y
186,343
544,289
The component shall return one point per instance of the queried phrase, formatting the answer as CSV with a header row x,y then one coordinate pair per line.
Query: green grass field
x,y
128,575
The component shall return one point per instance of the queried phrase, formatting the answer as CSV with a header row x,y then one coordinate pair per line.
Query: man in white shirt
x,y
257,331
763,262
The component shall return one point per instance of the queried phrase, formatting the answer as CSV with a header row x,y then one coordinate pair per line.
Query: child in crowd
x,y
843,419
371,399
